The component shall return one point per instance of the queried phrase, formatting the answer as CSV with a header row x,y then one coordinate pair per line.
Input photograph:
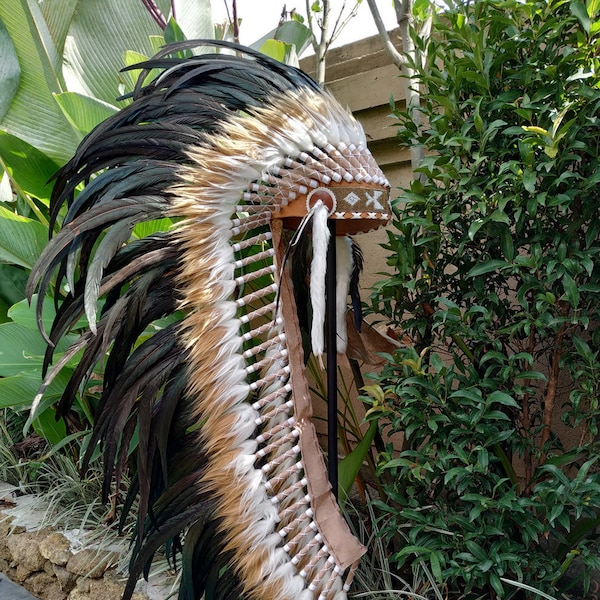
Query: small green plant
x,y
495,251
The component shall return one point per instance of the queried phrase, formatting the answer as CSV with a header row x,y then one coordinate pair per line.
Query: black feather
x,y
354,290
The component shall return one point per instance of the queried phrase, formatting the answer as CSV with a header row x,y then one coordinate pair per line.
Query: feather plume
x,y
228,469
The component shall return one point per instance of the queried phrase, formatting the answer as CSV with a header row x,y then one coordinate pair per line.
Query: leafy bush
x,y
496,283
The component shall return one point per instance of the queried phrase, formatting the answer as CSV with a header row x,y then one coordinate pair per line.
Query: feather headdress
x,y
235,150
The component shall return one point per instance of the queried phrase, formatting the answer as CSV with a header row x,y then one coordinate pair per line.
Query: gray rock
x,y
12,591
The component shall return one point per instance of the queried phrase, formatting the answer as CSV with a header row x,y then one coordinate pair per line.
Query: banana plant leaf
x,y
41,77
21,239
10,71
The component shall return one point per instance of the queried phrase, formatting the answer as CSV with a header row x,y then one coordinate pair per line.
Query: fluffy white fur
x,y
318,267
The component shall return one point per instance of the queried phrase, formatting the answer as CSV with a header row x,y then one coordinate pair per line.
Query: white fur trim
x,y
318,268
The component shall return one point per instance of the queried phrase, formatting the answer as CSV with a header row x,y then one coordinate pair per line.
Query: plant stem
x,y
155,13
552,385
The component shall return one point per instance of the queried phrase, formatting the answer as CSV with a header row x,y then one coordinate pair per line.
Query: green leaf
x,y
18,391
290,32
475,227
497,585
29,168
10,71
24,313
280,51
21,349
350,465
436,569
502,398
13,280
499,216
173,33
580,11
571,290
49,428
99,35
84,112
487,267
592,7
147,228
21,239
529,180
33,115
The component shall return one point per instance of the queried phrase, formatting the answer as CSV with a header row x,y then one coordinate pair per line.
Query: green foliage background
x,y
496,279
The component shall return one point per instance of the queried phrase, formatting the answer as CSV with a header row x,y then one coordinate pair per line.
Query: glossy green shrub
x,y
496,283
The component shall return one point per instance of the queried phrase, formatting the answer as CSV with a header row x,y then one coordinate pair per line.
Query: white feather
x,y
318,268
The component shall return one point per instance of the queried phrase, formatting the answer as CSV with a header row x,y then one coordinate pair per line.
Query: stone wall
x,y
55,565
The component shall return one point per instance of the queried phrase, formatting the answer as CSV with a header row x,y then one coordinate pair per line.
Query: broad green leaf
x,y
22,349
486,267
350,465
13,280
436,569
58,15
84,112
499,216
10,71
27,167
21,239
195,18
99,35
475,226
24,313
33,115
147,228
131,58
18,391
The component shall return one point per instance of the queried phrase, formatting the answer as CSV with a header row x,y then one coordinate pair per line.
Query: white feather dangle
x,y
344,265
318,267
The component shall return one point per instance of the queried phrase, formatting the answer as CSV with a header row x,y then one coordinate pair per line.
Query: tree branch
x,y
397,58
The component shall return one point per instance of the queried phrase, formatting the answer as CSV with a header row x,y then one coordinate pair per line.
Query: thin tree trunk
x,y
320,46
413,98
